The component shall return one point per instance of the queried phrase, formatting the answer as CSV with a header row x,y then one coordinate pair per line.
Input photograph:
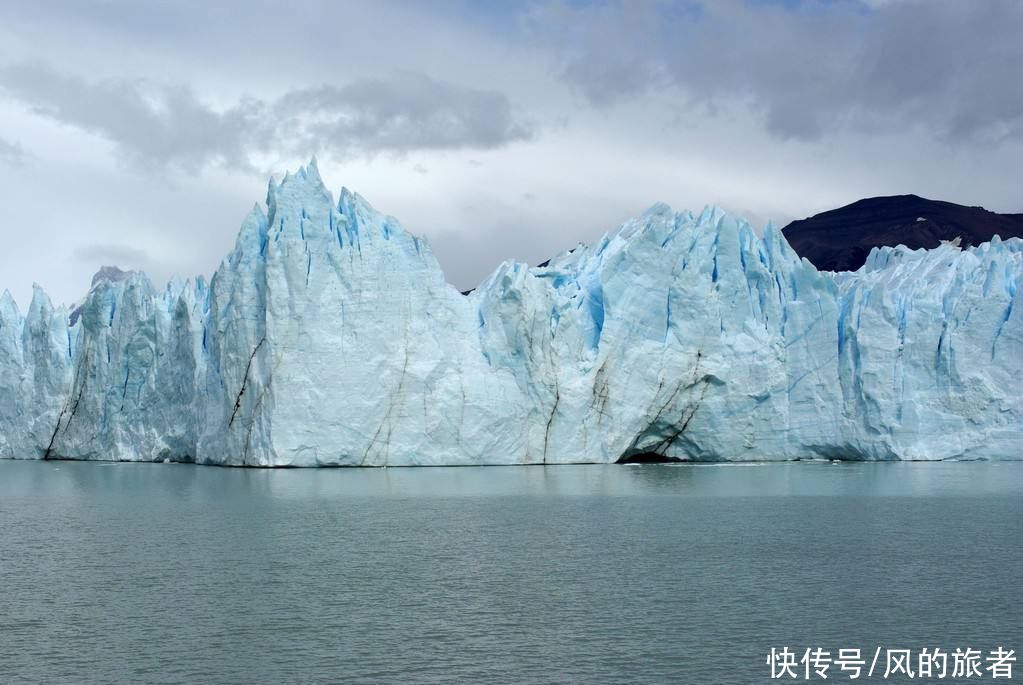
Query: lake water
x,y
659,573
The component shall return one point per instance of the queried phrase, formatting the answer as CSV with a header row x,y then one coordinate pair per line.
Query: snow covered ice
x,y
330,336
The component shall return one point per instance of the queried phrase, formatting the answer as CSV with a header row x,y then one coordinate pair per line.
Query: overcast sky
x,y
140,134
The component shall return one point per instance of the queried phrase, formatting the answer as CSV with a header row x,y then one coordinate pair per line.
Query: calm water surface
x,y
686,574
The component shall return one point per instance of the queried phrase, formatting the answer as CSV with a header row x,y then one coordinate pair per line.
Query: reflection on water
x,y
696,480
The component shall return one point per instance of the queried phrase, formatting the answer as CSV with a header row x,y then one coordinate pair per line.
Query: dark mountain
x,y
840,239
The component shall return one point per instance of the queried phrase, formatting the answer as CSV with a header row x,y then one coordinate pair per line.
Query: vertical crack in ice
x,y
685,418
998,331
550,419
245,380
665,444
255,409
601,391
124,389
68,406
395,398
53,436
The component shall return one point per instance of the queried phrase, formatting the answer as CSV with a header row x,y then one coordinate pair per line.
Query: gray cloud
x,y
608,55
11,153
94,256
161,125
809,68
406,112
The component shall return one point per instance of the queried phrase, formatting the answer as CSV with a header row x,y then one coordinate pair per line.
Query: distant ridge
x,y
840,239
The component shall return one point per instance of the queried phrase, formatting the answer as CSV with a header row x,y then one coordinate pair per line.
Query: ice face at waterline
x,y
330,336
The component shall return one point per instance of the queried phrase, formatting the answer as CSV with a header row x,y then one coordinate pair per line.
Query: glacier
x,y
329,336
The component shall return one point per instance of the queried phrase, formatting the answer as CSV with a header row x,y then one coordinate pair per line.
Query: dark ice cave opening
x,y
646,458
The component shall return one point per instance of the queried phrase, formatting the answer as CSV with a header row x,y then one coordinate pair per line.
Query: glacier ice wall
x,y
330,336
